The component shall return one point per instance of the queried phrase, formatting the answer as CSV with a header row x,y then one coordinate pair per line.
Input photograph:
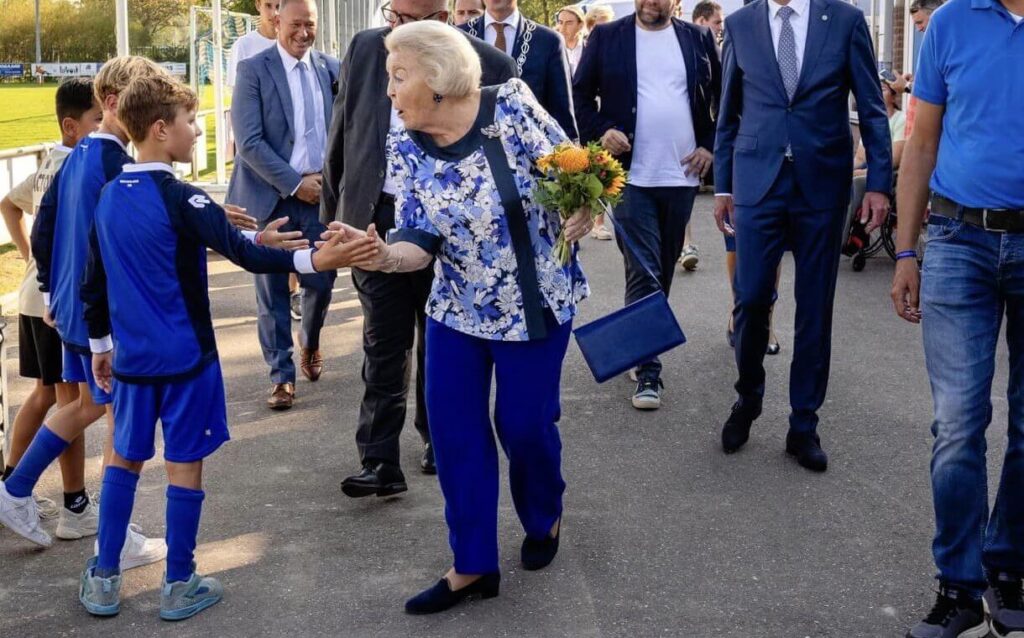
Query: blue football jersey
x,y
146,278
60,235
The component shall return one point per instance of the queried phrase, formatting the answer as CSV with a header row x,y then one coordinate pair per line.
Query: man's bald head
x,y
413,10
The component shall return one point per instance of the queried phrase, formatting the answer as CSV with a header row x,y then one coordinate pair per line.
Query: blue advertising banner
x,y
12,70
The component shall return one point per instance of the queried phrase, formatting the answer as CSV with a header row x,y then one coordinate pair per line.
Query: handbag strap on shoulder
x,y
515,214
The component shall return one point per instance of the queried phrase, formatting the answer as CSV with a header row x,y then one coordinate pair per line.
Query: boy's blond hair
x,y
115,75
150,98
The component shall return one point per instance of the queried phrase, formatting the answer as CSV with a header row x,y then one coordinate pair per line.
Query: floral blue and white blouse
x,y
448,204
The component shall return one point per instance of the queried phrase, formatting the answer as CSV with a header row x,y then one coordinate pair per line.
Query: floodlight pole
x,y
39,42
121,26
218,91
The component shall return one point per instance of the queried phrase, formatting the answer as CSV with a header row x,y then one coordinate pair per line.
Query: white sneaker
x,y
602,233
72,527
139,550
21,517
47,509
690,257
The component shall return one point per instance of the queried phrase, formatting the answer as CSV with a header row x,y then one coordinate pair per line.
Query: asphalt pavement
x,y
663,534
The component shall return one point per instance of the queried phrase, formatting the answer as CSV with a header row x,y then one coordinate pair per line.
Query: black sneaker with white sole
x,y
295,305
648,394
955,615
1005,601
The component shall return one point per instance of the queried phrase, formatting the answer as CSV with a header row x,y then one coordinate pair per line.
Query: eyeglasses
x,y
393,17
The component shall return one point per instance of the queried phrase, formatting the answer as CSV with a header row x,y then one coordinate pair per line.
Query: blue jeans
x,y
655,220
273,299
971,278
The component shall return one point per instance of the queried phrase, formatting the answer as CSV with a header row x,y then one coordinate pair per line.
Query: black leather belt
x,y
996,220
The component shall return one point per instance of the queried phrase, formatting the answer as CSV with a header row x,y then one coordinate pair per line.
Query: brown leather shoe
x,y
311,363
282,396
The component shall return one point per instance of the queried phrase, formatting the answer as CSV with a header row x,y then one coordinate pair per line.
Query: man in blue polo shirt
x,y
967,154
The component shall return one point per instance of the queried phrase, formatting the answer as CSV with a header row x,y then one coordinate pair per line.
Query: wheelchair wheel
x,y
888,232
859,261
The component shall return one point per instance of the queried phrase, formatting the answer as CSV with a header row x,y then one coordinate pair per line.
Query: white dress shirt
x,y
300,159
799,21
511,30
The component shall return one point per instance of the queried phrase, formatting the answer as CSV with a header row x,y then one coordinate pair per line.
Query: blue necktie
x,y
787,53
314,146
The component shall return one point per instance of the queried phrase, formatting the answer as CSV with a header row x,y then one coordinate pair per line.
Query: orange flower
x,y
544,164
615,187
572,160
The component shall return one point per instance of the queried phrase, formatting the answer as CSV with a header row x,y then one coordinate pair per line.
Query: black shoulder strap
x,y
512,202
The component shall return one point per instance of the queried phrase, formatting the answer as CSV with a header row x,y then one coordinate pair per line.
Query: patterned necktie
x,y
314,146
499,37
787,53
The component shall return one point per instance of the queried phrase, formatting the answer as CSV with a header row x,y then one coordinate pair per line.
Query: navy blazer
x,y
541,62
756,120
262,118
605,91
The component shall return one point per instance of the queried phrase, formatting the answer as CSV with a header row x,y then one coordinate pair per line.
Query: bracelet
x,y
906,254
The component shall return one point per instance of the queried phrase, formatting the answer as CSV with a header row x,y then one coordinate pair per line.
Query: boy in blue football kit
x,y
60,238
148,316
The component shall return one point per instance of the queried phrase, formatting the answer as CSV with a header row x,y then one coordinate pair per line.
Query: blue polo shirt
x,y
972,62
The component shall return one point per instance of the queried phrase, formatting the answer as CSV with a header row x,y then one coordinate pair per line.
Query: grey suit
x,y
263,118
393,304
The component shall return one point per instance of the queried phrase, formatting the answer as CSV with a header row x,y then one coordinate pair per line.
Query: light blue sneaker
x,y
100,596
181,600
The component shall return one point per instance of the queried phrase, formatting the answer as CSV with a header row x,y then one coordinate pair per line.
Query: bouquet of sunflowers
x,y
578,177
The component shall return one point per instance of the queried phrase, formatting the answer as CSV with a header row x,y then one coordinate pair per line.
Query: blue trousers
x,y
783,220
655,219
459,369
273,298
971,279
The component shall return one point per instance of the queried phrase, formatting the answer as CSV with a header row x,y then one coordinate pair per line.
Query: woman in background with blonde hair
x,y
598,14
570,24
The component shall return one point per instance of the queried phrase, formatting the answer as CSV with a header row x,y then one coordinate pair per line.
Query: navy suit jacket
x,y
262,118
756,120
541,62
605,91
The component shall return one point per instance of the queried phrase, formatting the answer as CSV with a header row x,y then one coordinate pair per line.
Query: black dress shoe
x,y
737,426
806,448
537,553
774,348
381,479
427,463
440,597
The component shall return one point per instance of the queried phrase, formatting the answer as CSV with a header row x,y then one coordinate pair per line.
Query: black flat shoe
x,y
382,479
440,597
736,431
537,553
806,448
427,463
774,348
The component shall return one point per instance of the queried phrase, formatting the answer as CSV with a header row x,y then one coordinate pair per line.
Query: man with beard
x,y
394,304
660,125
539,53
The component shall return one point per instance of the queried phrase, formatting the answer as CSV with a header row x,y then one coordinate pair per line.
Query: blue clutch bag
x,y
628,337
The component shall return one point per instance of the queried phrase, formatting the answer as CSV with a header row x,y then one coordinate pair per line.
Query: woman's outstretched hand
x,y
340,250
577,226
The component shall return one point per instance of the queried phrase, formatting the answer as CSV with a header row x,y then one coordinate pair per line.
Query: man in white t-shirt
x,y
256,41
659,124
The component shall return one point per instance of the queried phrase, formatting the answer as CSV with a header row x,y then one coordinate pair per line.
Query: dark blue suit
x,y
541,62
799,200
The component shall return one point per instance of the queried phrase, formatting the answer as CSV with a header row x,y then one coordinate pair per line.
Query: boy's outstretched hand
x,y
237,218
290,240
340,250
103,370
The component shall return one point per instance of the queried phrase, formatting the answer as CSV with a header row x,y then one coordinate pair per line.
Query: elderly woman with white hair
x,y
501,305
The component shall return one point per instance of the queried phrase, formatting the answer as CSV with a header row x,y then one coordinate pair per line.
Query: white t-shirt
x,y
27,196
664,124
244,48
574,55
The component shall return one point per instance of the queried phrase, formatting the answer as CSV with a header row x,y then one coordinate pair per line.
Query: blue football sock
x,y
116,502
44,450
184,507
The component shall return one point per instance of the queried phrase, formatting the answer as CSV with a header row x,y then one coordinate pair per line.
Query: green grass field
x,y
27,117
